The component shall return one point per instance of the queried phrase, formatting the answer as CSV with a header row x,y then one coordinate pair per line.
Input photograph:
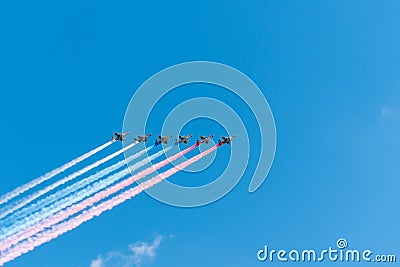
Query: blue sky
x,y
329,70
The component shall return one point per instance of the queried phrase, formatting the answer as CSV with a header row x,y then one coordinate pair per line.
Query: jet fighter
x,y
183,139
226,140
163,139
142,138
204,139
119,136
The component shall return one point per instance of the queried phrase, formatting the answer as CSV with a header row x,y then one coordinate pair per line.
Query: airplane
x,y
226,140
183,139
142,138
204,139
119,136
163,139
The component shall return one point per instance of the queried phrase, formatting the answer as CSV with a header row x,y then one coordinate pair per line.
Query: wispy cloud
x,y
143,250
387,111
138,254
97,262
391,106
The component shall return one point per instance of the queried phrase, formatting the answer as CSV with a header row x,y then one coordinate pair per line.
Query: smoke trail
x,y
25,217
97,210
13,207
66,191
64,203
23,188
64,214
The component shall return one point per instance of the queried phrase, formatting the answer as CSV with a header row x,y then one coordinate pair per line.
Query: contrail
x,y
13,207
65,214
64,203
66,191
97,210
23,188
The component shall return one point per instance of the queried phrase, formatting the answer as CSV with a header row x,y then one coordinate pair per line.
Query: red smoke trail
x,y
74,222
23,188
62,215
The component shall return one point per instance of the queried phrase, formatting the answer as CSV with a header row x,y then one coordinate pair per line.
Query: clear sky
x,y
329,70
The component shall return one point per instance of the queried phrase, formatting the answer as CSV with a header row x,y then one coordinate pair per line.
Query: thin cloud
x,y
139,253
143,250
391,106
97,262
387,111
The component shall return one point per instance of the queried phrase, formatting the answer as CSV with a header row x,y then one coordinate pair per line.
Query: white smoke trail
x,y
13,207
64,192
97,210
23,188
72,199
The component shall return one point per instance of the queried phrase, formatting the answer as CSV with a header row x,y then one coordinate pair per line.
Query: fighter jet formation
x,y
28,221
181,139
